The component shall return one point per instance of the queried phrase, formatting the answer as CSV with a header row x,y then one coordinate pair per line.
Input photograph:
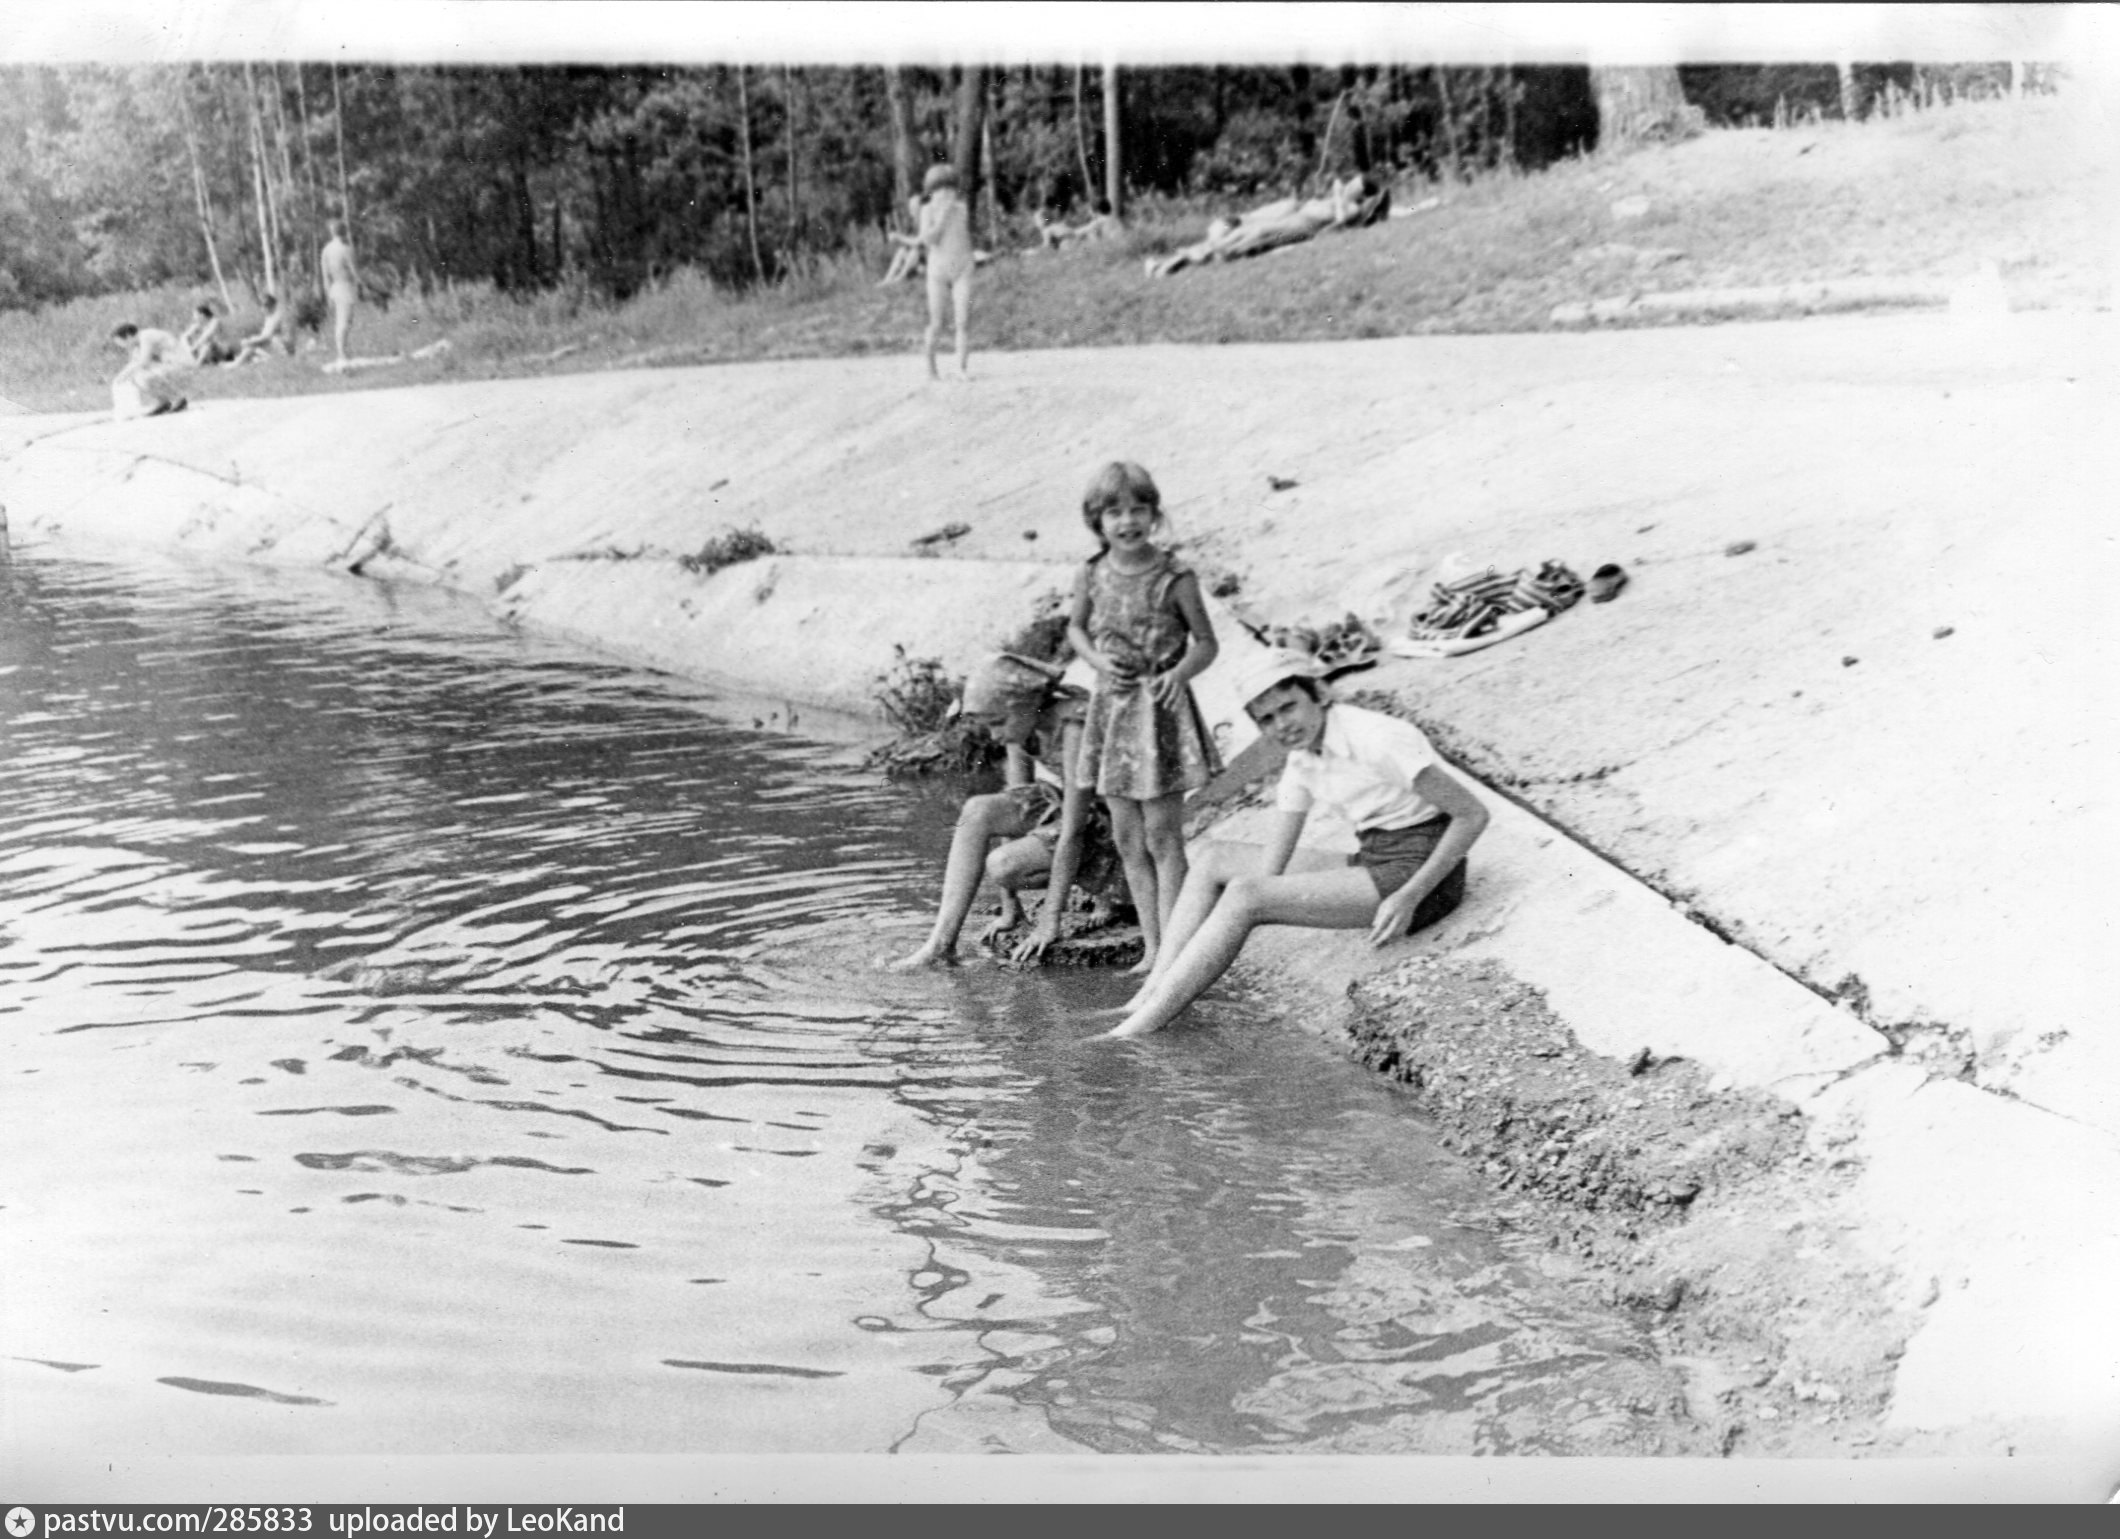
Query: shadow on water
x,y
426,1038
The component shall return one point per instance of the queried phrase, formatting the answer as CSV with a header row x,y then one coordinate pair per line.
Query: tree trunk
x,y
1636,104
750,180
1447,115
1332,122
338,123
198,188
266,243
1089,182
309,158
526,219
905,141
787,86
964,132
1850,103
1114,178
986,174
286,197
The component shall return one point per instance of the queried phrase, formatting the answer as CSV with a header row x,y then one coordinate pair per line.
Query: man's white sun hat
x,y
1259,674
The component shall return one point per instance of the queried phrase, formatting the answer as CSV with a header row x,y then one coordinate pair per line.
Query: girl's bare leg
x,y
983,819
1131,836
1340,898
934,326
961,292
1163,824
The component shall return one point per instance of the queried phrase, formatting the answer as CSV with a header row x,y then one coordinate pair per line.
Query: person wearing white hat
x,y
1413,821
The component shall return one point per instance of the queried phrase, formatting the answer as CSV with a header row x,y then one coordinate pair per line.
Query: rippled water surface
x,y
419,1038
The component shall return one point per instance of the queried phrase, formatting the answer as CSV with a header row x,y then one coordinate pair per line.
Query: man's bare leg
x,y
1340,898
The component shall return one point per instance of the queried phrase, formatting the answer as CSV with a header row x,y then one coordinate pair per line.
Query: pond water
x,y
422,1038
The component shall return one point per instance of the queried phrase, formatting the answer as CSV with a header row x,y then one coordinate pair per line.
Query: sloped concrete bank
x,y
1816,817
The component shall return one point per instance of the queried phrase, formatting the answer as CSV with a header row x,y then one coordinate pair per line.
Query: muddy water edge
x,y
416,1052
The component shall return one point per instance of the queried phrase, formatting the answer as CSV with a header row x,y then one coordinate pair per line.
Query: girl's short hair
x,y
1004,683
1120,481
940,176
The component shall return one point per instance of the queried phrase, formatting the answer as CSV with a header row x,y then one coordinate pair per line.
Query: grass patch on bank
x,y
1925,194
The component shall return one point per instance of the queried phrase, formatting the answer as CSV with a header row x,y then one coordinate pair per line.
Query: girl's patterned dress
x,y
1131,747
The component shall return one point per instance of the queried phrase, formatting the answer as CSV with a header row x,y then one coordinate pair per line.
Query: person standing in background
x,y
946,232
342,283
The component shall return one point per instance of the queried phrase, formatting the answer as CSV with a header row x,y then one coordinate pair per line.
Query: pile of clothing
x,y
1477,604
1340,647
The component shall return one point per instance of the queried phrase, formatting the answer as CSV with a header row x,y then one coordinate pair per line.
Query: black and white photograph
x,y
1053,753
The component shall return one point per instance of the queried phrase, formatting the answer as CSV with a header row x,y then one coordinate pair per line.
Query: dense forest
x,y
604,178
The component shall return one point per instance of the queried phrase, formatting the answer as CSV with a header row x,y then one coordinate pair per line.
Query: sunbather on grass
x,y
1355,201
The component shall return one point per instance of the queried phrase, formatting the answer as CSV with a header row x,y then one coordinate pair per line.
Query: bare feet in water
x,y
930,955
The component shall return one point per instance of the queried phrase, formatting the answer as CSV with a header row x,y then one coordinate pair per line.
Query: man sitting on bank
x,y
1413,821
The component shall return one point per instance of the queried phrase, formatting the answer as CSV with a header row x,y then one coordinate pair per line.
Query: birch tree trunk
x,y
905,158
1114,178
285,200
750,180
1453,160
309,156
1089,182
338,117
266,243
198,188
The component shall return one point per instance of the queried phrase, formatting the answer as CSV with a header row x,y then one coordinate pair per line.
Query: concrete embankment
x,y
1814,805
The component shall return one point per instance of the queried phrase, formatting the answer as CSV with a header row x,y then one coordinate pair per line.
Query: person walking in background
x,y
946,233
342,285
152,380
1413,823
1139,621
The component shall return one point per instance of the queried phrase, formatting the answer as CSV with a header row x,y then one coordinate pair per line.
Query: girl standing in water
x,y
1139,621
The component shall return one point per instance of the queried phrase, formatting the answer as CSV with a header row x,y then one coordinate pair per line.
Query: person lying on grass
x,y
1413,820
1044,815
1359,200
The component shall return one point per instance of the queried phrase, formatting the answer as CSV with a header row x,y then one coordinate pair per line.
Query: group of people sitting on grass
x,y
202,338
1135,740
159,364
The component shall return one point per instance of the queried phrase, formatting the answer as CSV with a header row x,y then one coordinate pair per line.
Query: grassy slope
x,y
1928,194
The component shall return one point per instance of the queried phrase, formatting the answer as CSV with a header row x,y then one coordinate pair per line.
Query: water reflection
x,y
422,1039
